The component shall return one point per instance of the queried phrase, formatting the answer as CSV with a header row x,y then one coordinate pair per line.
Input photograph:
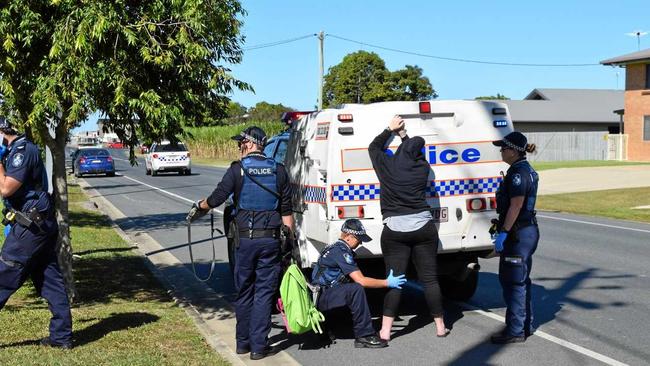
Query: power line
x,y
457,59
277,43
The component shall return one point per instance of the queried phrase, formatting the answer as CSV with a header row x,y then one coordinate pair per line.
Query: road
x,y
591,293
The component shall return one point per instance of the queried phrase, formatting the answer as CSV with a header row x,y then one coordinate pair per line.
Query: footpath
x,y
213,315
568,180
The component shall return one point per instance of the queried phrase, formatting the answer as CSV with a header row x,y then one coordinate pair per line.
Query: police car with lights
x,y
333,178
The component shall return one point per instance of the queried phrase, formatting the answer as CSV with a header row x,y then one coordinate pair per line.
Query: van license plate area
x,y
440,214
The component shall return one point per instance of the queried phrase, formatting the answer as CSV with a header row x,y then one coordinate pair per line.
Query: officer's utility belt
x,y
260,233
520,224
25,219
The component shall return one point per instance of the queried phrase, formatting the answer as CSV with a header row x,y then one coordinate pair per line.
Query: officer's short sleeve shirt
x,y
519,181
20,162
344,259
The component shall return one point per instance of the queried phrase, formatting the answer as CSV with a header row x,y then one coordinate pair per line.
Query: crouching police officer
x,y
30,233
342,283
262,197
518,236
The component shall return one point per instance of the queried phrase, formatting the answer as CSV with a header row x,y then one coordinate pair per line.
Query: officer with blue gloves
x,y
342,283
517,236
262,197
30,233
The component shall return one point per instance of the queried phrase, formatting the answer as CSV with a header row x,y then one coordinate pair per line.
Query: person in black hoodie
x,y
409,231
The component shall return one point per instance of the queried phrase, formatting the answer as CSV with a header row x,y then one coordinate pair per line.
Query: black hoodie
x,y
403,176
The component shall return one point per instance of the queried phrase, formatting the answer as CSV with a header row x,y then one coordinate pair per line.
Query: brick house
x,y
636,115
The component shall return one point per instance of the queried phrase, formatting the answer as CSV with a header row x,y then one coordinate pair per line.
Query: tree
x,y
362,77
151,67
264,111
493,97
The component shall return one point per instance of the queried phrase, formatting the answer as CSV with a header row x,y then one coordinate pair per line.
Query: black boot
x,y
371,341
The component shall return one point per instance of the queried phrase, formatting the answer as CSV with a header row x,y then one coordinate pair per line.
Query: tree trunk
x,y
64,243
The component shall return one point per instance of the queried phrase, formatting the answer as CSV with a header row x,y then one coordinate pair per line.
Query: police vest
x,y
259,189
327,276
527,212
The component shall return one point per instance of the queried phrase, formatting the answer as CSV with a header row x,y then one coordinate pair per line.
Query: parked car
x,y
93,161
115,145
167,157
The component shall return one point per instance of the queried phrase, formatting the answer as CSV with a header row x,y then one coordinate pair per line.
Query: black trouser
x,y
420,246
353,296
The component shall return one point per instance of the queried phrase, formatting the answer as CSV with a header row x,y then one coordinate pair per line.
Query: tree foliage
x,y
492,97
158,64
264,111
362,77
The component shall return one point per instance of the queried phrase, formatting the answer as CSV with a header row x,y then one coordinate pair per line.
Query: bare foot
x,y
384,334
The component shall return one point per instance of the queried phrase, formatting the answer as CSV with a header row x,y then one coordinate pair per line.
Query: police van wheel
x,y
154,173
454,289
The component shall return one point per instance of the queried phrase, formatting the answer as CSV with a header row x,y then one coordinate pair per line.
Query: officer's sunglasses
x,y
241,142
504,148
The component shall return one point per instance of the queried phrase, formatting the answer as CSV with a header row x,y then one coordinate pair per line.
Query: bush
x,y
215,143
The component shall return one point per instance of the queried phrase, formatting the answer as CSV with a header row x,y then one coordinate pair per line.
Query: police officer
x,y
517,236
262,197
342,283
30,233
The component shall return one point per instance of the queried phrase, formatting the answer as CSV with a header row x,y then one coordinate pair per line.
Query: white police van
x,y
333,178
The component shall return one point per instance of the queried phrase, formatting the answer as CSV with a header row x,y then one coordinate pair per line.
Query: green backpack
x,y
295,303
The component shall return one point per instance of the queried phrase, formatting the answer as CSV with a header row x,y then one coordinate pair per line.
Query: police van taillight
x,y
493,203
350,212
425,107
346,117
476,204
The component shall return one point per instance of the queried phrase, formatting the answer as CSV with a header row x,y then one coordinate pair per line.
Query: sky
x,y
550,32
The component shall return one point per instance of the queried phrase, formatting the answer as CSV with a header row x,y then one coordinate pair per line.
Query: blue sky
x,y
550,32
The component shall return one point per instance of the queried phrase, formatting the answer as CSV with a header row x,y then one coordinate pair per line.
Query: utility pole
x,y
321,39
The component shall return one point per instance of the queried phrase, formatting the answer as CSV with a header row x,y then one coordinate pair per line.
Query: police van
x,y
333,178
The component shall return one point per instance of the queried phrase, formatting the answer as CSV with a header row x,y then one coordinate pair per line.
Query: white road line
x,y
539,333
595,224
166,192
561,342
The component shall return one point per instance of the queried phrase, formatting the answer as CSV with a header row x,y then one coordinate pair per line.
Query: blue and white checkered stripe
x,y
314,194
444,188
355,192
456,187
164,158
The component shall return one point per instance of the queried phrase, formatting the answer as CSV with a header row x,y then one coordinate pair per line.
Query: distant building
x,y
636,115
566,110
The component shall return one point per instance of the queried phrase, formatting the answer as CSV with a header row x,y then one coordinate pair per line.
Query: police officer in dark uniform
x,y
262,196
30,233
342,283
517,236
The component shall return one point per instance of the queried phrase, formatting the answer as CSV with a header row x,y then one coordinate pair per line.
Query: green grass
x,y
122,316
211,161
546,165
614,203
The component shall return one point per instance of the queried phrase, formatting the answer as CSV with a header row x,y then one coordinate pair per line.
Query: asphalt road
x,y
591,292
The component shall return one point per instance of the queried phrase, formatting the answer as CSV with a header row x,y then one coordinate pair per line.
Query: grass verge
x,y
123,315
546,165
614,203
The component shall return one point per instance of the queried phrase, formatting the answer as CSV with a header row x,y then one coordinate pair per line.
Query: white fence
x,y
562,146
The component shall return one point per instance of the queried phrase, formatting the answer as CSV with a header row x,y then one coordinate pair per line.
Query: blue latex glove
x,y
498,242
7,230
395,281
3,151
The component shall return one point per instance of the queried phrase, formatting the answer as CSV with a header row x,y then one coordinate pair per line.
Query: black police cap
x,y
253,134
514,140
355,227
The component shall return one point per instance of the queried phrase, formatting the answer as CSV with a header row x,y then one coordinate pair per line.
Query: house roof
x,y
639,56
568,106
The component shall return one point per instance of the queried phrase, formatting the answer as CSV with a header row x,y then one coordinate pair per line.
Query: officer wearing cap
x,y
262,197
30,232
342,283
517,236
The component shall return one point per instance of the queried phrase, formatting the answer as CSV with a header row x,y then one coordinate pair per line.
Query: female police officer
x,y
517,237
30,234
